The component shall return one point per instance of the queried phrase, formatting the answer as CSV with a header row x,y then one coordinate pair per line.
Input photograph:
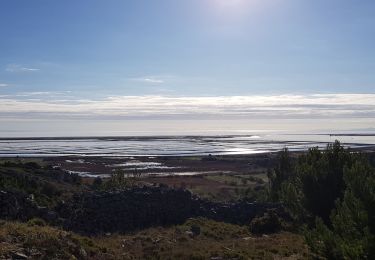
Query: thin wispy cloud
x,y
43,93
260,106
152,80
20,68
43,96
3,85
156,79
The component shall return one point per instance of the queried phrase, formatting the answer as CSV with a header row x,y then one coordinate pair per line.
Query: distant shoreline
x,y
352,135
145,137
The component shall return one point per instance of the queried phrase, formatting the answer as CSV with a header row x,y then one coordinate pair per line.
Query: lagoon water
x,y
173,145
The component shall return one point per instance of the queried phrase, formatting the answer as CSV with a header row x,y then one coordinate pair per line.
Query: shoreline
x,y
93,166
168,136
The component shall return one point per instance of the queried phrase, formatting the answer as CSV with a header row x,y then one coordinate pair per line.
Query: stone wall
x,y
127,210
140,208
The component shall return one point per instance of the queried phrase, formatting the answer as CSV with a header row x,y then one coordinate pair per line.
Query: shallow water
x,y
172,145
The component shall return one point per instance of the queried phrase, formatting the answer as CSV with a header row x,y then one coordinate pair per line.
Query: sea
x,y
194,145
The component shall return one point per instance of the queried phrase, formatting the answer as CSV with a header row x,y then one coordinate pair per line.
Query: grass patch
x,y
43,242
216,239
230,187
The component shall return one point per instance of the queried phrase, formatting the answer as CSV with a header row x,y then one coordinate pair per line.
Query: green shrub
x,y
118,181
333,192
352,232
311,186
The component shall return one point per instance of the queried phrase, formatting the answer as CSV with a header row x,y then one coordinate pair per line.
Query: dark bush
x,y
97,183
195,229
266,224
32,165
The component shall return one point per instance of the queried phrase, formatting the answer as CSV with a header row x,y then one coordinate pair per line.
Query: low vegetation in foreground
x,y
35,240
196,239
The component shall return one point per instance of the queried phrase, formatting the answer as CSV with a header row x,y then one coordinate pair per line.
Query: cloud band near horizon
x,y
154,107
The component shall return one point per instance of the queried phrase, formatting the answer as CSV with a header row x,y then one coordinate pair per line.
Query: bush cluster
x,y
332,192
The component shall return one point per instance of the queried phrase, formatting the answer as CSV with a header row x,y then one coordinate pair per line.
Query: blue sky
x,y
193,47
61,56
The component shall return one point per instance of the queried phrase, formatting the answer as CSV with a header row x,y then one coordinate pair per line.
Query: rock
x,y
189,233
19,255
35,253
82,252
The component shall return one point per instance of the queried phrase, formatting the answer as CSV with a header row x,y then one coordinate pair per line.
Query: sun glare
x,y
234,6
231,3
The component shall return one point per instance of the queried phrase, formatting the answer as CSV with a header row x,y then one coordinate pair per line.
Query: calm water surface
x,y
172,145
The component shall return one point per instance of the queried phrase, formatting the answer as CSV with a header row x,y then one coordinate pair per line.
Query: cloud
x,y
20,68
151,80
3,85
257,106
42,93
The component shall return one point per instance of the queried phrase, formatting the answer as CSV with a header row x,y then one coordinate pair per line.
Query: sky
x,y
150,65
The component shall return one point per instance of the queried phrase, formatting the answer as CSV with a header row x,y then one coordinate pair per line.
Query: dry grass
x,y
43,242
216,241
217,187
